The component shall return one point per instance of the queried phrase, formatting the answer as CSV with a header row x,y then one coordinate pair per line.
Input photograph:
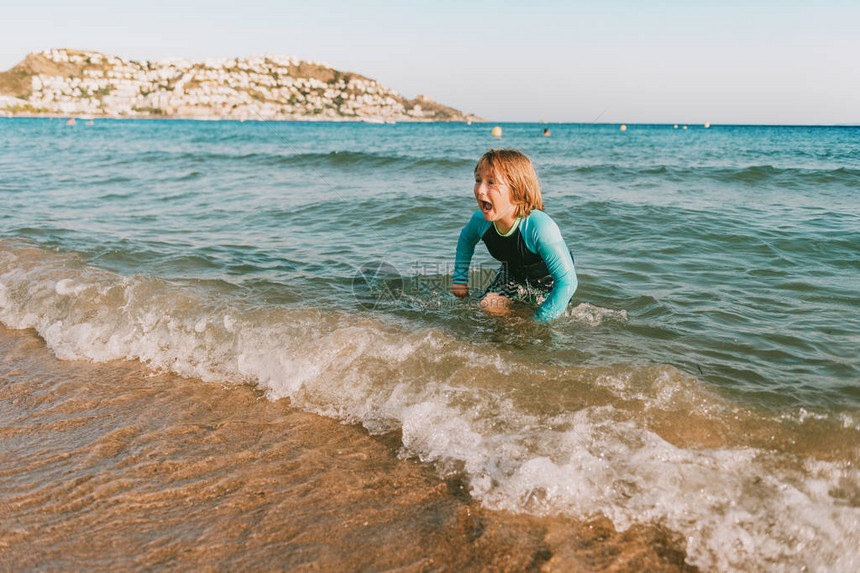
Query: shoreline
x,y
85,117
112,466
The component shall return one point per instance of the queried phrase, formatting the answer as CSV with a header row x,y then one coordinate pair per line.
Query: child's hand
x,y
496,304
460,290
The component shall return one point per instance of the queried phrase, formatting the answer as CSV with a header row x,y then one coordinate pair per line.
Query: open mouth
x,y
486,206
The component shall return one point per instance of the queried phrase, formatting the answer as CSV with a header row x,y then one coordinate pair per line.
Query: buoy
x,y
676,126
70,121
497,131
623,127
685,127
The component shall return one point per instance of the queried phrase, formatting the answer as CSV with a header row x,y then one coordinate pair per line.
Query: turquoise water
x,y
718,274
733,250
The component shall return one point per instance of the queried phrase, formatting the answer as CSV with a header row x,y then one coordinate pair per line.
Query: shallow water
x,y
110,467
704,379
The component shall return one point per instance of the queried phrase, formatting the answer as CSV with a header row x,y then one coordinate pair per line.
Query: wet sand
x,y
111,467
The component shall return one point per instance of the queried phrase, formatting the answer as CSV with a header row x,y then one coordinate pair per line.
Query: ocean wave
x,y
331,159
341,159
639,444
807,177
749,175
347,159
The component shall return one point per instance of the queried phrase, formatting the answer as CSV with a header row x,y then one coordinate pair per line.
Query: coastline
x,y
311,119
112,466
86,83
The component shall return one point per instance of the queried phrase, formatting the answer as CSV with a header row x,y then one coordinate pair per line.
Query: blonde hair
x,y
519,173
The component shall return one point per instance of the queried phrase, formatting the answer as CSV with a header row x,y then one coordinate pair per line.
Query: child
x,y
536,263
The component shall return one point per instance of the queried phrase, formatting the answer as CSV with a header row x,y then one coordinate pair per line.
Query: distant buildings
x,y
261,87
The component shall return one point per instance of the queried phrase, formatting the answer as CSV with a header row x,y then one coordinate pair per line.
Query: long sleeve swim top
x,y
536,234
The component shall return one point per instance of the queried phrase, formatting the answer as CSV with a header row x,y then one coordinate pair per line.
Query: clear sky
x,y
670,61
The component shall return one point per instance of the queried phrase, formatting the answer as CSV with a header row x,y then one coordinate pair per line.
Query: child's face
x,y
492,193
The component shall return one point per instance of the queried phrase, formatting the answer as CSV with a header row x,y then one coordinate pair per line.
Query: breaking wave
x,y
637,443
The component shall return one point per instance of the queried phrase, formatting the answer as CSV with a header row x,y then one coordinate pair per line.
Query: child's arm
x,y
546,240
469,237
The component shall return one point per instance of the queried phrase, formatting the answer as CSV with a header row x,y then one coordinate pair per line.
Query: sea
x,y
232,345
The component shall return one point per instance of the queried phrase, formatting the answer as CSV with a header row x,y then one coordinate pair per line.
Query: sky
x,y
612,61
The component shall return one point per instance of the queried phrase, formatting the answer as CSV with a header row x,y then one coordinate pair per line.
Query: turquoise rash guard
x,y
531,250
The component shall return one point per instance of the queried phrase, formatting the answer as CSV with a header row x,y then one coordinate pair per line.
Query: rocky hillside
x,y
69,82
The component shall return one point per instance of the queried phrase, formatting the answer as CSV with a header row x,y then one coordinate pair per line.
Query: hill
x,y
71,82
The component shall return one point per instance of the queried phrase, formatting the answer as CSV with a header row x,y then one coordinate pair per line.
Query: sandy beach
x,y
109,466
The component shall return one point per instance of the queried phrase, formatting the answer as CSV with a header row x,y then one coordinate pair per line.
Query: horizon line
x,y
680,125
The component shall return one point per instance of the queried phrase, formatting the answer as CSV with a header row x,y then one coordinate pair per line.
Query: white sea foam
x,y
594,315
70,287
458,404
